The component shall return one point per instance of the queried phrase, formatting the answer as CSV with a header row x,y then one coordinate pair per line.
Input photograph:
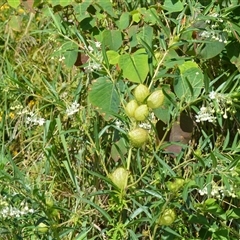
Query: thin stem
x,y
129,159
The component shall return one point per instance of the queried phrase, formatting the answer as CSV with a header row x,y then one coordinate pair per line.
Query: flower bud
x,y
131,107
141,113
141,92
167,217
138,137
156,99
119,177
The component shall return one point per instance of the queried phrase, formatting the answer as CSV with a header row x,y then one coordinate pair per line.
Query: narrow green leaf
x,y
214,160
226,140
165,165
57,22
98,208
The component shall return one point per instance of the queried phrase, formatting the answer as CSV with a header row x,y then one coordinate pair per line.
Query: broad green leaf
x,y
146,34
107,6
210,50
15,23
118,149
149,15
70,54
124,20
135,66
65,3
189,83
136,16
62,3
173,6
132,35
112,39
103,95
113,57
81,10
13,3
70,58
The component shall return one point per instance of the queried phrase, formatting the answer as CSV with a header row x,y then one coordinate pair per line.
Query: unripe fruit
x,y
141,92
167,217
119,177
131,107
155,100
176,185
141,113
179,182
42,228
138,137
49,201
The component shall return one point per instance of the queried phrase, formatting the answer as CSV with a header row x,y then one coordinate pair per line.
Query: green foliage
x,y
134,66
82,156
103,94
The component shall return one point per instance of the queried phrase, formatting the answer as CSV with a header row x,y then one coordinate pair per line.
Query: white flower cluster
x,y
213,35
205,115
95,59
33,119
8,211
214,30
72,109
218,191
218,103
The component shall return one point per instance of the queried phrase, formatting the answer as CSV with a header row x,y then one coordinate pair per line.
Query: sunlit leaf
x,y
13,3
135,66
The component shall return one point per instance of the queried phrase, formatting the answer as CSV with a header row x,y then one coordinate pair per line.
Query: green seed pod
x,y
119,177
141,92
167,217
49,201
176,185
138,137
155,100
141,113
42,228
131,107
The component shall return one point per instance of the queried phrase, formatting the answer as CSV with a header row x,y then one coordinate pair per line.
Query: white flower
x,y
212,95
146,126
61,59
90,49
98,44
96,66
203,191
73,108
205,114
41,121
32,118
